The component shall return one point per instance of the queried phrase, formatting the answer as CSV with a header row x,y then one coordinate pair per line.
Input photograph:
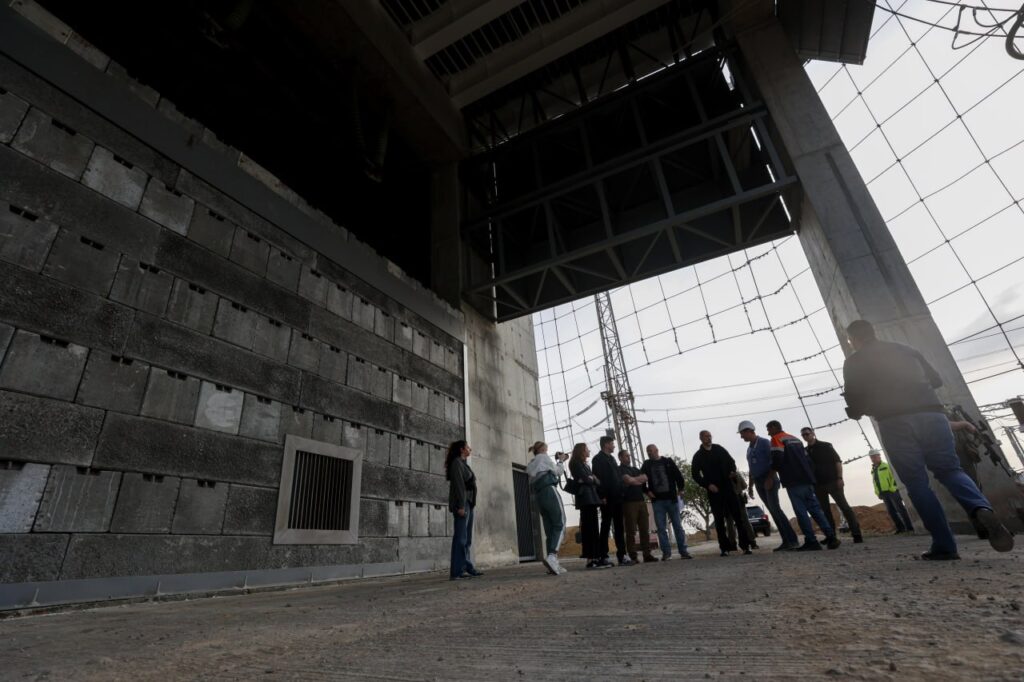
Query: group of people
x,y
891,382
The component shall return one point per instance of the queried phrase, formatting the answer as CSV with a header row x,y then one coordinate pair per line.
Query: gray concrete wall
x,y
159,339
852,254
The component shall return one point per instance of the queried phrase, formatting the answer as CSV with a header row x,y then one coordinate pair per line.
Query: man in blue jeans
x,y
665,486
896,385
764,479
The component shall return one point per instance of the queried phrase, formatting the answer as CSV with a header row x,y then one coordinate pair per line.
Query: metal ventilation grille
x,y
321,495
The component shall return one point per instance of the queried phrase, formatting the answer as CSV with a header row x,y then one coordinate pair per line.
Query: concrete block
x,y
166,206
192,306
200,507
261,418
32,557
313,285
436,453
449,523
25,238
381,382
295,421
354,436
420,397
53,143
383,325
113,382
401,449
153,446
358,374
453,361
452,410
115,178
235,323
425,549
420,457
398,518
250,251
363,313
403,336
283,269
171,396
142,286
333,363
145,504
428,428
304,351
339,300
21,489
402,390
212,230
420,344
436,353
12,111
327,429
272,338
250,511
82,262
436,519
419,519
388,482
378,446
436,405
373,518
6,334
48,431
77,500
220,408
43,366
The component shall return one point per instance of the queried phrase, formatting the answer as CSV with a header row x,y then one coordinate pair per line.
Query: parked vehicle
x,y
759,520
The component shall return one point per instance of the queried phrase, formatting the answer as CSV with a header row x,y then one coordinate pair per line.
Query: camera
x,y
561,456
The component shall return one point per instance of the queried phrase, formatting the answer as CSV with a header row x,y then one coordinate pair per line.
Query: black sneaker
x,y
648,558
666,557
603,563
753,545
1000,538
809,547
685,555
724,553
590,564
833,542
857,539
747,551
784,547
940,556
626,561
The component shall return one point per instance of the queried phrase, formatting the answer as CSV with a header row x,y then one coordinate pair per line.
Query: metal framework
x,y
674,170
617,395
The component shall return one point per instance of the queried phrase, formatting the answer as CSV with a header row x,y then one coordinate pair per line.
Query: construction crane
x,y
618,396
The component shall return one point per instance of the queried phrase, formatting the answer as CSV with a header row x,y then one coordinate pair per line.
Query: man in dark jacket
x,y
610,488
828,476
665,484
895,384
713,468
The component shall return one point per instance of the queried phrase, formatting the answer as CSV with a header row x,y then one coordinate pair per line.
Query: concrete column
x,y
852,254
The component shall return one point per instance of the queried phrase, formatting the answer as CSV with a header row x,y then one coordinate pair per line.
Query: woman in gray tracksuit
x,y
544,472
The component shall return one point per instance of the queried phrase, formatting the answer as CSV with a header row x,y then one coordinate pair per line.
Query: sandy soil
x,y
865,612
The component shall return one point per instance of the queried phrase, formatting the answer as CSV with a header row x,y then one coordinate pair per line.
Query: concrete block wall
x,y
158,341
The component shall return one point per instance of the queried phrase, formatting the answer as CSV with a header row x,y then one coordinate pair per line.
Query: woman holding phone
x,y
587,501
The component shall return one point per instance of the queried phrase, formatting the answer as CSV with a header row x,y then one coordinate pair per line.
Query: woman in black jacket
x,y
461,500
587,501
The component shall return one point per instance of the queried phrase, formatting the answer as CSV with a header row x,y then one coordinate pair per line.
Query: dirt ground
x,y
862,612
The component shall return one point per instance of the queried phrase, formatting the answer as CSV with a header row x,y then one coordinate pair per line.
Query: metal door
x,y
526,529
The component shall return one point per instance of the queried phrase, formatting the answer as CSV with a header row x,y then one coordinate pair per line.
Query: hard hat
x,y
744,425
874,451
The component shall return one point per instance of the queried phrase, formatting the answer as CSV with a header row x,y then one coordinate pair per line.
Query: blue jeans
x,y
922,442
669,508
462,542
806,505
897,510
771,500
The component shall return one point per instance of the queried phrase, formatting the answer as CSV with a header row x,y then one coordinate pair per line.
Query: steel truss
x,y
617,395
674,170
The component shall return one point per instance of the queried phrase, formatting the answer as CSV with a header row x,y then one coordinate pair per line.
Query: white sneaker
x,y
551,563
562,570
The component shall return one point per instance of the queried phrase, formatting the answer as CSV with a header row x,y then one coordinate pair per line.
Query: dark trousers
x,y
462,543
611,515
590,534
725,504
897,511
833,489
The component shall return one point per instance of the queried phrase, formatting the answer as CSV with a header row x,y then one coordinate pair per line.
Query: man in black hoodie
x,y
713,468
609,487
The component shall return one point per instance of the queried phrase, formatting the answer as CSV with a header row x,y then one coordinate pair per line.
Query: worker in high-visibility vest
x,y
887,491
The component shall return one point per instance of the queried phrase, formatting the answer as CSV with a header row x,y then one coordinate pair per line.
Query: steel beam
x,y
453,21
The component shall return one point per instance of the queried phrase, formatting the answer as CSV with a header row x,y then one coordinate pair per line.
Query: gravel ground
x,y
866,612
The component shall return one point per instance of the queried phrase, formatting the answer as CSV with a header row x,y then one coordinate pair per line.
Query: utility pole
x,y
618,396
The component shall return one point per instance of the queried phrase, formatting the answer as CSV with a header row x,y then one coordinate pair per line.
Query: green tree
x,y
697,511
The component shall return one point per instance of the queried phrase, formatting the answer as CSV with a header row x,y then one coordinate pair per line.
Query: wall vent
x,y
318,501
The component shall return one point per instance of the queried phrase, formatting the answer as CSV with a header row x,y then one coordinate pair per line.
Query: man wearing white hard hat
x,y
766,482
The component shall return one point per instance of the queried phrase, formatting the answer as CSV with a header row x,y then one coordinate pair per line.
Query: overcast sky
x,y
715,385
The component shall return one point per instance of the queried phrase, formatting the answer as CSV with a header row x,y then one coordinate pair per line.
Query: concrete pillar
x,y
852,254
